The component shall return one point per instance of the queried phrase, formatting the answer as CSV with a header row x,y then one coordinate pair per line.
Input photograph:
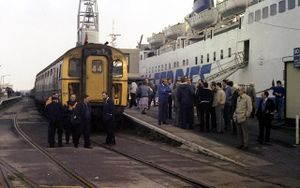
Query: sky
x,y
34,33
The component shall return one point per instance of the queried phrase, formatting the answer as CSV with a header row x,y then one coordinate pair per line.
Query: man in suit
x,y
265,115
108,117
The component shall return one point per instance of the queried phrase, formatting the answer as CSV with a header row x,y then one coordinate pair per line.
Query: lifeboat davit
x,y
175,31
231,7
201,20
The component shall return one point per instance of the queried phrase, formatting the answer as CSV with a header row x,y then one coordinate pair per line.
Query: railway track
x,y
82,181
166,171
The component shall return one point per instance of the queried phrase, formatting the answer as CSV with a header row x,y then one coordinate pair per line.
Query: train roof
x,y
89,45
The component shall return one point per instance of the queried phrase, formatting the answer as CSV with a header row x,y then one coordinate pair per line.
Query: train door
x,y
96,77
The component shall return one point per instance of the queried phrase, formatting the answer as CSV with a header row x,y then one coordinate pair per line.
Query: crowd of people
x,y
220,106
74,120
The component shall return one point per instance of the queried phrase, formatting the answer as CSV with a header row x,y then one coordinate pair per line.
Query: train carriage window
x,y
282,6
97,66
273,9
59,73
291,4
265,12
117,68
74,68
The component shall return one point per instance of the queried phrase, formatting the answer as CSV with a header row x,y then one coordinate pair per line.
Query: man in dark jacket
x,y
204,98
164,92
85,112
185,95
68,111
108,117
265,115
53,113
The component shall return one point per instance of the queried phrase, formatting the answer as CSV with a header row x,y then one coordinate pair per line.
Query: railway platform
x,y
278,157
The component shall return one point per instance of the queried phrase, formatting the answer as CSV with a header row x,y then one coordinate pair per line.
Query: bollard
x,y
297,129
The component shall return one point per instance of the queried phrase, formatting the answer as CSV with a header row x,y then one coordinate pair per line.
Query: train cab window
x,y
250,18
291,4
74,68
282,6
265,12
257,15
273,9
117,68
97,66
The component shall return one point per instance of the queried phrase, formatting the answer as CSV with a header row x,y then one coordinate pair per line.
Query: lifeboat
x,y
175,31
156,40
206,18
231,7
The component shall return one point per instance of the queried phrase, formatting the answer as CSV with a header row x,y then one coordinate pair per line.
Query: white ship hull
x,y
262,43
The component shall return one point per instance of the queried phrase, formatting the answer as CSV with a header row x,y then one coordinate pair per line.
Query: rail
x,y
82,181
194,183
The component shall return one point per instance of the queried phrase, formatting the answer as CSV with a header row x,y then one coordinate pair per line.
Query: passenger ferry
x,y
241,40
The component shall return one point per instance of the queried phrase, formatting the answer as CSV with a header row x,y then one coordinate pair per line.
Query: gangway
x,y
224,70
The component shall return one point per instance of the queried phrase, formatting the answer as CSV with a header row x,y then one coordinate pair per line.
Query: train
x,y
84,70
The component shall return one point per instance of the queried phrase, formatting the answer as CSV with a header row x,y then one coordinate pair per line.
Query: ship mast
x,y
87,22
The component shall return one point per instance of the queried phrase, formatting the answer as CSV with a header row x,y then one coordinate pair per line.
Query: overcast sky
x,y
36,32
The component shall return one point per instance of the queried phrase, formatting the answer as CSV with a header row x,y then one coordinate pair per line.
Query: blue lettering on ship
x,y
189,72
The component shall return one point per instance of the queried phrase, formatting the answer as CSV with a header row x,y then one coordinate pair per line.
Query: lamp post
x,y
2,79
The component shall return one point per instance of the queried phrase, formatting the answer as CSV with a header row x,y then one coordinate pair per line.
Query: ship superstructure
x,y
242,40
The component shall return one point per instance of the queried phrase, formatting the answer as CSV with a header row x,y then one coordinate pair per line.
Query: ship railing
x,y
224,70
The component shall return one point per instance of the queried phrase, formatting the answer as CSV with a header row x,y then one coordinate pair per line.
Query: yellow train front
x,y
86,70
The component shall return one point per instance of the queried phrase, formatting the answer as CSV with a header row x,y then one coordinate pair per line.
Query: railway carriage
x,y
86,70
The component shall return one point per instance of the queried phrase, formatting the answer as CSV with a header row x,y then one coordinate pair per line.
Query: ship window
x,y
229,52
196,60
174,64
257,15
215,56
201,59
282,6
265,12
221,54
207,58
155,68
166,66
74,68
273,9
250,18
170,66
177,63
187,62
291,4
183,62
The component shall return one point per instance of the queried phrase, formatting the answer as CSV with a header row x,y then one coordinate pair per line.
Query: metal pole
x,y
297,129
